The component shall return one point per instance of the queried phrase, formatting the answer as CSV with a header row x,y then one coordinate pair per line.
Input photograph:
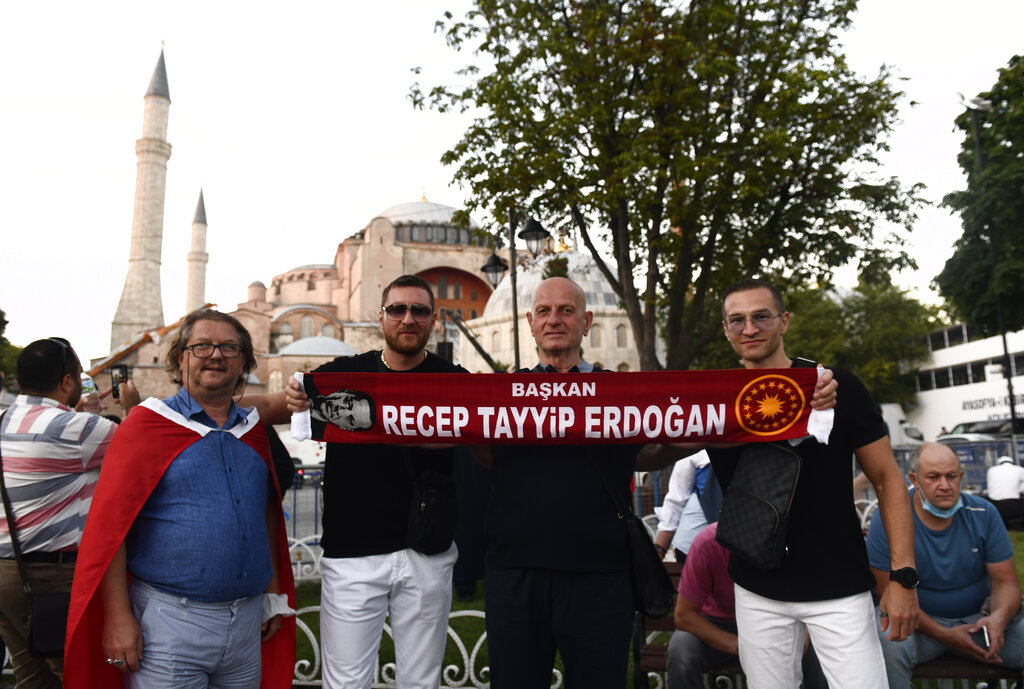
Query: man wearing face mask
x,y
963,555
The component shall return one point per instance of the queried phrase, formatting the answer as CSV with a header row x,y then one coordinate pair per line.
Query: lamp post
x,y
534,235
973,106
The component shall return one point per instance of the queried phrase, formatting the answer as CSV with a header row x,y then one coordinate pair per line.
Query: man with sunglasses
x,y
369,570
188,504
51,462
823,586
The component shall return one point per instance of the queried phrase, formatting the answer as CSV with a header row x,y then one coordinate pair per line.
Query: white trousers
x,y
358,592
842,630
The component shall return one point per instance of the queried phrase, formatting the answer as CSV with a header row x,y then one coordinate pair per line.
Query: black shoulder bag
x,y
47,612
755,513
653,593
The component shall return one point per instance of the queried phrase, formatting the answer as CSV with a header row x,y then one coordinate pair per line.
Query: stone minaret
x,y
141,308
197,260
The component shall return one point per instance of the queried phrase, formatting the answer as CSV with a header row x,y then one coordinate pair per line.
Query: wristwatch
x,y
906,577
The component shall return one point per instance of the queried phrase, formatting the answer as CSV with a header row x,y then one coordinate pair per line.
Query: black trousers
x,y
531,613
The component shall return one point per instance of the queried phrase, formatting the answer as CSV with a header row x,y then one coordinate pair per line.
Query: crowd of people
x,y
158,598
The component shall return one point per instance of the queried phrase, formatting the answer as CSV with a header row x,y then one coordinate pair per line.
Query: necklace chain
x,y
388,366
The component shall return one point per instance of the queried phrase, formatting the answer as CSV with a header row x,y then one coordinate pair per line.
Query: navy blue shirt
x,y
202,533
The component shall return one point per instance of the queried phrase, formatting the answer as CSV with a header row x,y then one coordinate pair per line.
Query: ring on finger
x,y
116,662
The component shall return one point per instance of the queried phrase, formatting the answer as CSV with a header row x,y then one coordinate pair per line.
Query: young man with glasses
x,y
823,586
51,462
369,572
188,504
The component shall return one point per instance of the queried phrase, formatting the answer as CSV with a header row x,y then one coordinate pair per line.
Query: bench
x,y
650,641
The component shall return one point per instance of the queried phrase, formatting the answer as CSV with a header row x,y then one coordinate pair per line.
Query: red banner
x,y
741,405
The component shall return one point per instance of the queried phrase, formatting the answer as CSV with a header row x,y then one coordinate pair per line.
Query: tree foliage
x,y
702,141
992,211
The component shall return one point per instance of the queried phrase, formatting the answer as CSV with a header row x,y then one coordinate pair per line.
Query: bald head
x,y
560,288
559,320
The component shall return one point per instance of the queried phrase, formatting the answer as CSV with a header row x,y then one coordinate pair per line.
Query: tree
x,y
8,355
702,142
877,331
992,211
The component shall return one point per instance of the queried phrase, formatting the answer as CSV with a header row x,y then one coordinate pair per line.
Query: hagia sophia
x,y
312,313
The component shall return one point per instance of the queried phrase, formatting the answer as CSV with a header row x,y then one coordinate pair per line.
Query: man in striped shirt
x,y
51,462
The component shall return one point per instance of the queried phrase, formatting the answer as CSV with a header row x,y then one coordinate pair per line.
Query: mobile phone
x,y
984,635
118,375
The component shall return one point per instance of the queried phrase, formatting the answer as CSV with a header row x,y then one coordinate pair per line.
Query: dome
x,y
317,345
422,212
582,270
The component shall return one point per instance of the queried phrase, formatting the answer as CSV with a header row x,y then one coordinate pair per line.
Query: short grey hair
x,y
915,459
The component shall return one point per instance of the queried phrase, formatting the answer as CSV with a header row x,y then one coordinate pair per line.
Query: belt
x,y
56,557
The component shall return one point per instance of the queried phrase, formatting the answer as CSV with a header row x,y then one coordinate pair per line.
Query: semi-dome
x,y
318,345
582,270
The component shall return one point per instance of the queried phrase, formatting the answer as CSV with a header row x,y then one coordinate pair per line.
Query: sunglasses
x,y
64,348
420,312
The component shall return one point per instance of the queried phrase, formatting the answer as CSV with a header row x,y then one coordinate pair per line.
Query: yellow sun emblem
x,y
769,405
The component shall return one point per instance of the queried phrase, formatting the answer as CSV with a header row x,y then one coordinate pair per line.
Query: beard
x,y
405,345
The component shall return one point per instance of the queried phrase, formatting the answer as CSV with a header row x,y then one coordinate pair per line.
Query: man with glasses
x,y
369,571
188,504
51,462
823,586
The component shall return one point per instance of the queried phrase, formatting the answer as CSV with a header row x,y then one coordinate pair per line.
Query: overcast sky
x,y
295,121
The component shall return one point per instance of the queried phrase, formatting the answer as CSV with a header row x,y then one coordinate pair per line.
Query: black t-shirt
x,y
367,488
551,510
827,558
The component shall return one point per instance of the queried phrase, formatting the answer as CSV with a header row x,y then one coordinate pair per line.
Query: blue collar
x,y
186,405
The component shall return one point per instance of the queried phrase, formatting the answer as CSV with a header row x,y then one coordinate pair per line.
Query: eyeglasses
x,y
761,321
420,312
204,350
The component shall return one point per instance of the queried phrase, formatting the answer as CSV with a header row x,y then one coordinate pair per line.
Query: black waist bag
x,y
432,514
755,512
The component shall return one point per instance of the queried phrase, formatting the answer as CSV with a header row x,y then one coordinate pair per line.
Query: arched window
x,y
306,327
274,382
620,336
595,335
623,367
457,290
327,330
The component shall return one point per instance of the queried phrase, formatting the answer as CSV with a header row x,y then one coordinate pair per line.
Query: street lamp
x,y
534,235
494,269
973,106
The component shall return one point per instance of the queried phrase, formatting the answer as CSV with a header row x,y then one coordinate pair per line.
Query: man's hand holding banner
x,y
741,405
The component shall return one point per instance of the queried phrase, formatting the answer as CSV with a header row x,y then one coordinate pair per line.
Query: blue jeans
x,y
187,644
902,656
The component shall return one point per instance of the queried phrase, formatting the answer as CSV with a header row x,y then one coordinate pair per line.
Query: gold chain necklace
x,y
388,366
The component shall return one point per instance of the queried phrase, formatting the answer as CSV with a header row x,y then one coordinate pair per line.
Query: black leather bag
x,y
433,512
653,593
755,513
47,623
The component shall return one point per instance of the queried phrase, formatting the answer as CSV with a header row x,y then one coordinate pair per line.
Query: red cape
x,y
141,450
